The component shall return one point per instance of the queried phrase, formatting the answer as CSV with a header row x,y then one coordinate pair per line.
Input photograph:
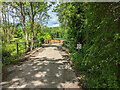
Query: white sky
x,y
53,22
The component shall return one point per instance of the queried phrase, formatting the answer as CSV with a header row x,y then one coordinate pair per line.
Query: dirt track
x,y
46,69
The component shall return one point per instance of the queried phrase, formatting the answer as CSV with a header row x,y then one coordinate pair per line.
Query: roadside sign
x,y
79,46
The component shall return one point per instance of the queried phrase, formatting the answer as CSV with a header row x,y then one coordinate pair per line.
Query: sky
x,y
53,21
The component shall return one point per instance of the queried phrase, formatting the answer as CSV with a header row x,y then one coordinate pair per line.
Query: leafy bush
x,y
47,37
96,27
6,51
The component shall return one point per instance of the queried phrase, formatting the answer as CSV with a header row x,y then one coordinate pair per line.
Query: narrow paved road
x,y
46,69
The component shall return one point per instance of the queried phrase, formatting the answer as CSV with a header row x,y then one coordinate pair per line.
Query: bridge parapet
x,y
55,40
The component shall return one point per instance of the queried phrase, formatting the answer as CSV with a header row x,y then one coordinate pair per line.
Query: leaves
x,y
93,25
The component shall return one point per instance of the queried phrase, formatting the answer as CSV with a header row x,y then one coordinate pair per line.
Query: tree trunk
x,y
65,27
32,26
9,26
3,24
12,25
6,28
24,25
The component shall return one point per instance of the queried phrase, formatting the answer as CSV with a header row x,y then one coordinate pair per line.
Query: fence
x,y
35,44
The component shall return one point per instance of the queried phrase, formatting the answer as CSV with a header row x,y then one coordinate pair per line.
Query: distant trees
x,y
22,22
29,15
55,32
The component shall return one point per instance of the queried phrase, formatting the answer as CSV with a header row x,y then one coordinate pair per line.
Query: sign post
x,y
79,46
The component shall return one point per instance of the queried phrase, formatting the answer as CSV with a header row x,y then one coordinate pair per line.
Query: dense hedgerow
x,y
96,26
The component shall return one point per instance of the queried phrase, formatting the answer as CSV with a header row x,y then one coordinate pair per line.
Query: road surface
x,y
46,69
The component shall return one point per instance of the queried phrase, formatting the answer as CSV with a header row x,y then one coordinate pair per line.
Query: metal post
x,y
78,43
17,49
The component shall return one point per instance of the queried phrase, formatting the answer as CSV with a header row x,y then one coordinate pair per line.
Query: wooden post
x,y
17,49
37,43
29,45
25,47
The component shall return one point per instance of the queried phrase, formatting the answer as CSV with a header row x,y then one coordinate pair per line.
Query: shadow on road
x,y
42,72
52,45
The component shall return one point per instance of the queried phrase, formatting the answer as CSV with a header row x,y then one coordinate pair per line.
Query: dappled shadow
x,y
52,60
65,56
40,73
52,45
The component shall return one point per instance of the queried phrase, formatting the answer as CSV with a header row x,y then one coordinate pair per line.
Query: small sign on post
x,y
79,46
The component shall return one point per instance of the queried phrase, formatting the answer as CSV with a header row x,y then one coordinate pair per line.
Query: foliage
x,y
47,37
9,53
96,27
27,20
55,32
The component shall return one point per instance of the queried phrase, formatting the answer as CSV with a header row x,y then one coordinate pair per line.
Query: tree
x,y
96,27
